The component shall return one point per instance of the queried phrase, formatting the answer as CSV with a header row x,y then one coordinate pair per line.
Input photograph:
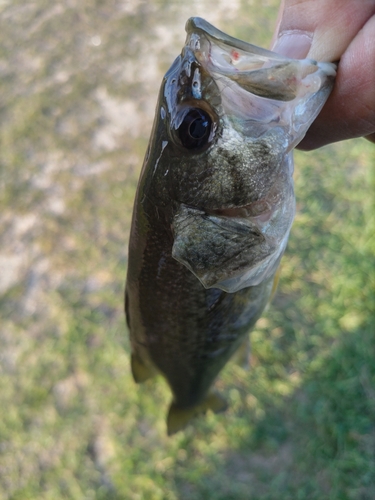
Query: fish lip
x,y
250,72
195,24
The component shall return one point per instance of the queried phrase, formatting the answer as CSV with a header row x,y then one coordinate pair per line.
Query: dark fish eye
x,y
195,129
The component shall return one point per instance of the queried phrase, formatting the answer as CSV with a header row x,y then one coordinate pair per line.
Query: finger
x,y
319,29
350,109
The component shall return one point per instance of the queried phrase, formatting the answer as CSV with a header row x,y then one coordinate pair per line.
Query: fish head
x,y
229,116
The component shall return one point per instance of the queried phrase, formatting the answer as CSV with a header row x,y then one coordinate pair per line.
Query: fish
x,y
213,209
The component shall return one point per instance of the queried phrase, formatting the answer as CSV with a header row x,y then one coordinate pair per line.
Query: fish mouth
x,y
257,86
262,72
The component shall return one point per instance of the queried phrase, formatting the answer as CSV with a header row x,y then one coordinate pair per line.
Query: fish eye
x,y
195,129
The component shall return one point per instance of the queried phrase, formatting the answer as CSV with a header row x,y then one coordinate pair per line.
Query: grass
x,y
73,424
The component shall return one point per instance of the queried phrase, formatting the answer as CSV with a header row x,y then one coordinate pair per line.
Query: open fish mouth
x,y
257,85
236,58
259,71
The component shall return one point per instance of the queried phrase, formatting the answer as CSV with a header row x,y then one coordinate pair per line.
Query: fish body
x,y
214,207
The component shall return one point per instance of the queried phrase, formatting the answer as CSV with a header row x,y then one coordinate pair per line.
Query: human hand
x,y
335,30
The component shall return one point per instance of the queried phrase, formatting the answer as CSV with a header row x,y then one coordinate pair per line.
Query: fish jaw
x,y
261,88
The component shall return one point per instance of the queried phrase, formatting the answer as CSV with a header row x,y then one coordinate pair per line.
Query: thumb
x,y
319,29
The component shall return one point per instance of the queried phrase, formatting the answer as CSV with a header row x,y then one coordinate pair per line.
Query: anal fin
x,y
179,418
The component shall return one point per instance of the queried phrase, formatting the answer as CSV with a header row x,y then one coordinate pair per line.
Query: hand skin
x,y
335,30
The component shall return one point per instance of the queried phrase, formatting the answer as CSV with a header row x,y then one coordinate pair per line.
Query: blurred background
x,y
78,89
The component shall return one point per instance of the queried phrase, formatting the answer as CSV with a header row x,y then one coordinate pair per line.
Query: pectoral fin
x,y
178,418
141,372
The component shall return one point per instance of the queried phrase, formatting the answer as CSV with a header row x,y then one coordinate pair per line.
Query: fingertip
x,y
295,44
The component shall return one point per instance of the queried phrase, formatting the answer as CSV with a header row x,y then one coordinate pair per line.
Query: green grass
x,y
73,424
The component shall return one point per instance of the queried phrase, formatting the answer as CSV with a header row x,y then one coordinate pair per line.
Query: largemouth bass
x,y
214,208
